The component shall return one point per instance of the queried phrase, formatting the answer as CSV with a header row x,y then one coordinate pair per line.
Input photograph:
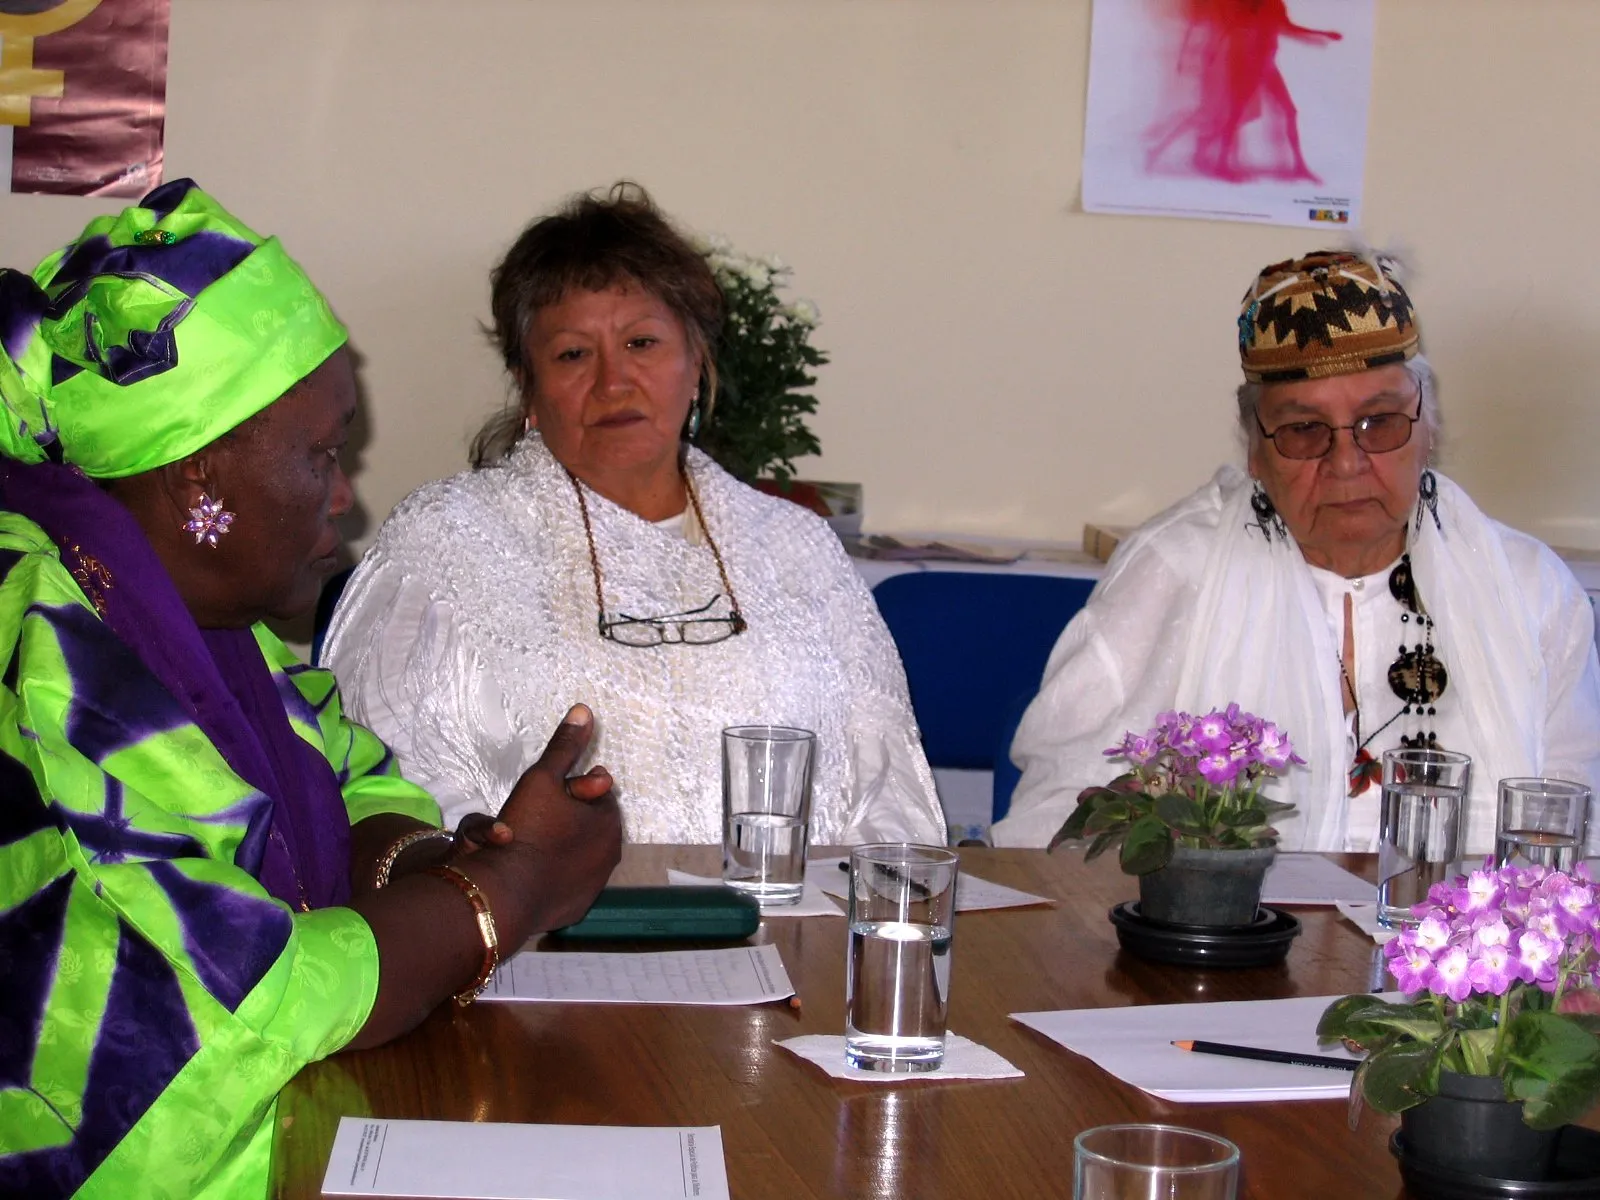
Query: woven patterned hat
x,y
1329,313
154,333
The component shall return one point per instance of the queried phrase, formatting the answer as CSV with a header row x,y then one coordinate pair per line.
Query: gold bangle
x,y
380,877
486,930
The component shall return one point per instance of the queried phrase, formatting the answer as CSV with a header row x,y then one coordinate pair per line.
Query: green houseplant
x,y
765,369
1189,819
1498,1043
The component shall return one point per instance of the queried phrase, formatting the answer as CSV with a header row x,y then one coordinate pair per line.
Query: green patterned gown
x,y
154,997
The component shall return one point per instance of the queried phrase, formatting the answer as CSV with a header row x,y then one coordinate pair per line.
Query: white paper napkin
x,y
813,903
963,1059
1365,918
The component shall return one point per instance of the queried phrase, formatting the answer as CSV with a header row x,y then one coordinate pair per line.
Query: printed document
x,y
489,1161
738,975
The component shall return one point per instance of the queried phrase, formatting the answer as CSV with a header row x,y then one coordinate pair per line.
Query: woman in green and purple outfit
x,y
208,877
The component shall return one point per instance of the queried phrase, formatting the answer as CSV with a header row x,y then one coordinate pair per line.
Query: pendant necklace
x,y
1416,675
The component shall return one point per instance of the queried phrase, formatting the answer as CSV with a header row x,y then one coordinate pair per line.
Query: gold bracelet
x,y
486,930
380,877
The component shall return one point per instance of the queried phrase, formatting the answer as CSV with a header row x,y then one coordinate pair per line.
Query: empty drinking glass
x,y
1153,1162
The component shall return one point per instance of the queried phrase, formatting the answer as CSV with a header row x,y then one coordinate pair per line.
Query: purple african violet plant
x,y
1196,781
1502,976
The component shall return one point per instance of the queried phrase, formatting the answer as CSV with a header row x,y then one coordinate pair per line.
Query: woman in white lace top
x,y
593,555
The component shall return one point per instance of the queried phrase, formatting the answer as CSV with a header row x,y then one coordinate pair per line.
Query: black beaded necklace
x,y
1416,675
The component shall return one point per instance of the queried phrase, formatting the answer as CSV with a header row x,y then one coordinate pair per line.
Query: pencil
x,y
794,1002
1277,1056
917,888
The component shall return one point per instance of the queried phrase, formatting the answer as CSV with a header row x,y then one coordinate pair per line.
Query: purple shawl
x,y
301,851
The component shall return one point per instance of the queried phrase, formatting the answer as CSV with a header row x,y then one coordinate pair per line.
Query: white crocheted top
x,y
470,628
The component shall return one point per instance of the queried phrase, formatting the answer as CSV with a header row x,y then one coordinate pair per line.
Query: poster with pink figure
x,y
1233,110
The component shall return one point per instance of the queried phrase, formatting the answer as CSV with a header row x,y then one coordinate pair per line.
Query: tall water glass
x,y
1153,1162
1542,823
1424,795
766,810
897,973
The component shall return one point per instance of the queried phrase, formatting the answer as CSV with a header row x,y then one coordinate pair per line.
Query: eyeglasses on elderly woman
x,y
1378,433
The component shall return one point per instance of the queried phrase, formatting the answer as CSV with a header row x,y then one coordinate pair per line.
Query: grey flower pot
x,y
1206,887
1471,1126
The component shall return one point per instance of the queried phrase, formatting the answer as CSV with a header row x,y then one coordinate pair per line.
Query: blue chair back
x,y
974,644
326,603
1006,775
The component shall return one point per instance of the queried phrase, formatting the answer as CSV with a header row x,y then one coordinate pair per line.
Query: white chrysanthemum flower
x,y
804,312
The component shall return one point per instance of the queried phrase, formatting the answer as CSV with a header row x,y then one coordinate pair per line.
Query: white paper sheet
x,y
1312,879
813,903
1365,918
488,1161
1135,1045
832,875
738,975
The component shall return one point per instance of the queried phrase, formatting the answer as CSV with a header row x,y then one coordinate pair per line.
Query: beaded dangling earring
x,y
209,521
1428,498
1267,518
692,430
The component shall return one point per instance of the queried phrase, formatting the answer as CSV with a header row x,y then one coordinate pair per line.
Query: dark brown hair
x,y
592,243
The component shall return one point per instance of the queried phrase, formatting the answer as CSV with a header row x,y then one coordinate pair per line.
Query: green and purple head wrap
x,y
152,335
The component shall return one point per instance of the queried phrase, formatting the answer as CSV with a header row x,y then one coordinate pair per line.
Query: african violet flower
x,y
1494,929
1501,972
1196,780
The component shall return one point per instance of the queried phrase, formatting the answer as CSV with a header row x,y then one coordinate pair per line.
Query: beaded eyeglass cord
x,y
692,628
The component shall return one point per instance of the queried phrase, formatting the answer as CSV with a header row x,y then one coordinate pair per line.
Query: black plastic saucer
x,y
1263,942
1577,1173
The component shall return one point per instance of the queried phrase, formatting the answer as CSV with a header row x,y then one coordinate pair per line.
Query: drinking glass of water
x,y
897,973
1424,793
1542,823
766,810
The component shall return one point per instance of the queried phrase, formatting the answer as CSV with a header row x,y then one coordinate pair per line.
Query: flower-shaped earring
x,y
209,521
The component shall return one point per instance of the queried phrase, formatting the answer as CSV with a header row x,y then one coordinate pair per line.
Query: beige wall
x,y
1002,363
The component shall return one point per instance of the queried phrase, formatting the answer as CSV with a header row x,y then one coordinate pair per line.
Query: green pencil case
x,y
698,913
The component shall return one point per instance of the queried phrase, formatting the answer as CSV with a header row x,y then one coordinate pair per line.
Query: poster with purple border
x,y
83,94
1234,110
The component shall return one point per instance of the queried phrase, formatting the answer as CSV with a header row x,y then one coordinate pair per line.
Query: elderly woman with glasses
x,y
592,552
1341,588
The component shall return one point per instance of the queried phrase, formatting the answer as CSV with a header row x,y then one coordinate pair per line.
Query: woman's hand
x,y
478,830
571,824
565,839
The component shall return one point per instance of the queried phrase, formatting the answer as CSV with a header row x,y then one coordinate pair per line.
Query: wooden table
x,y
789,1132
